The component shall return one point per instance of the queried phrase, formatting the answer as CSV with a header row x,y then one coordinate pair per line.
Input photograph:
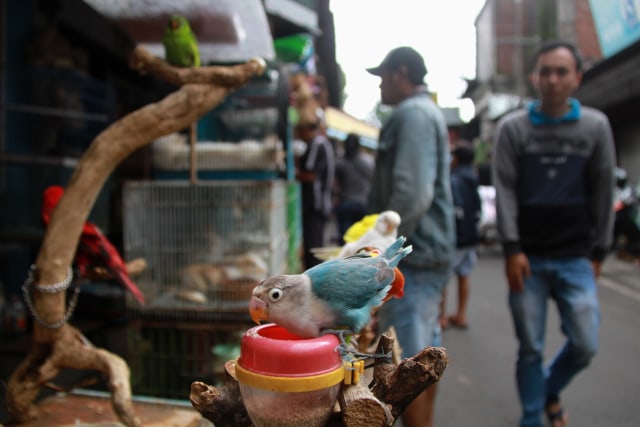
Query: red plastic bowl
x,y
272,350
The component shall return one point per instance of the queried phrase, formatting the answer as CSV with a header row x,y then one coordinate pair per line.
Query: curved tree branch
x,y
54,349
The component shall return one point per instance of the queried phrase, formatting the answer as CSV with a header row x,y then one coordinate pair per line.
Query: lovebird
x,y
94,249
383,233
180,43
336,294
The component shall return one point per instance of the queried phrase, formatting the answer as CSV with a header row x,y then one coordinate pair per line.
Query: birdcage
x,y
244,135
172,158
206,245
165,359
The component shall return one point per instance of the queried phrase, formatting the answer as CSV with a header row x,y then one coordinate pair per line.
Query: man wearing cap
x,y
411,177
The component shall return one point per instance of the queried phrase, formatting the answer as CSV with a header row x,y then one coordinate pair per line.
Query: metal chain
x,y
50,289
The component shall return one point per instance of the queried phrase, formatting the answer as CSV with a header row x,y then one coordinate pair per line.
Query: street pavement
x,y
478,386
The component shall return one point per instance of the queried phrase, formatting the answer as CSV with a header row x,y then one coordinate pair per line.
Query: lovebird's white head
x,y
288,301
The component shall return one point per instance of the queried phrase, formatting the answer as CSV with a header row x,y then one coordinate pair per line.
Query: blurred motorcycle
x,y
626,230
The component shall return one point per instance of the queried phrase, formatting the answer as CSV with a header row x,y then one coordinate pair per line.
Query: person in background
x,y
553,173
353,181
468,209
315,171
411,177
626,228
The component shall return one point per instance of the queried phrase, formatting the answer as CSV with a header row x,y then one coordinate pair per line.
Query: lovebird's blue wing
x,y
353,286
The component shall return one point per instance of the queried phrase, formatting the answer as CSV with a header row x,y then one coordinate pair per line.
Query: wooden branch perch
x,y
398,387
360,408
70,351
224,76
223,406
379,405
54,349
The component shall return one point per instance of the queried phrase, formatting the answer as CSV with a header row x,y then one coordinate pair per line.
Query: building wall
x,y
586,37
485,43
513,29
507,30
566,20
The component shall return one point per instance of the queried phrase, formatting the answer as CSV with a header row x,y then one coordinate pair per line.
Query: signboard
x,y
617,24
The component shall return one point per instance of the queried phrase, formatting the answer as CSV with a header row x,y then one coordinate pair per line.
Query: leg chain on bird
x,y
347,351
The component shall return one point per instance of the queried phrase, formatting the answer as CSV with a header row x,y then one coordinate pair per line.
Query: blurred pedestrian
x,y
352,181
468,211
411,177
315,171
553,173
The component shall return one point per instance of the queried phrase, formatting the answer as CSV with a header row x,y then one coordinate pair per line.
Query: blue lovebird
x,y
339,293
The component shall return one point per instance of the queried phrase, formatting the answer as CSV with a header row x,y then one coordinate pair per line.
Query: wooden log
x,y
222,406
360,408
400,385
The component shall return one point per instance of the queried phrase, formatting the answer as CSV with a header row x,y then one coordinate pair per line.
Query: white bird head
x,y
273,297
387,223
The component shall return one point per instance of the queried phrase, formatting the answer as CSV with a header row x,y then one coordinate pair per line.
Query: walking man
x,y
554,176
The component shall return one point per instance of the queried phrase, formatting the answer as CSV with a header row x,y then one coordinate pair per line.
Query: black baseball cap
x,y
407,56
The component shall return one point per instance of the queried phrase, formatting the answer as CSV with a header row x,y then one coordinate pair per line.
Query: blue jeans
x,y
571,283
415,315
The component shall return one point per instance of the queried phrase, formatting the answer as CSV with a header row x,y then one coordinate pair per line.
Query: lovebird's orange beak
x,y
258,310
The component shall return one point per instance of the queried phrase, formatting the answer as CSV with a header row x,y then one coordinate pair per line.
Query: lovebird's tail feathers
x,y
395,252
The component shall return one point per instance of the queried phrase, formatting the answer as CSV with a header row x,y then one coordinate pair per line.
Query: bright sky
x,y
442,31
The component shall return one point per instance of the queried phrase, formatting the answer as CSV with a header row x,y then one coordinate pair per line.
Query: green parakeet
x,y
180,44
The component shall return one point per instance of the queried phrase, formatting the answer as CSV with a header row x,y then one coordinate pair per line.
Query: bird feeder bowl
x,y
286,380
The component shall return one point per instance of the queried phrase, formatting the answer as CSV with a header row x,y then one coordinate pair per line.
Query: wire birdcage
x,y
246,132
206,245
166,358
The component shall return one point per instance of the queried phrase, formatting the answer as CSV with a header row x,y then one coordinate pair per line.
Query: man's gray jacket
x,y
411,177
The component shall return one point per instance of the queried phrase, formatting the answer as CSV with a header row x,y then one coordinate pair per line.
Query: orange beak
x,y
258,310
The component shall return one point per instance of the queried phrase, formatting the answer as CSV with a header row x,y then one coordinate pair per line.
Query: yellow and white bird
x,y
383,233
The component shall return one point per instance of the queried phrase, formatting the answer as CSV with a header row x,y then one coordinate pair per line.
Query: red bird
x,y
94,249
